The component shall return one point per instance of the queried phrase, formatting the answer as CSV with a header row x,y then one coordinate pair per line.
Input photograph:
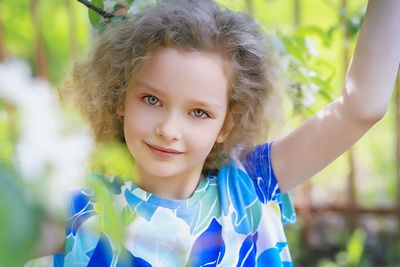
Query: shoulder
x,y
250,174
256,169
257,165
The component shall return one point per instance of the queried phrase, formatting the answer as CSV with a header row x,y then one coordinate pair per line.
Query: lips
x,y
164,149
163,152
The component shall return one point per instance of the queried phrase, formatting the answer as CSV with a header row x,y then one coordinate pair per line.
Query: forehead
x,y
193,74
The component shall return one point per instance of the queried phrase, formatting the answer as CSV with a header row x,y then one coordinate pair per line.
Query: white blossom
x,y
50,157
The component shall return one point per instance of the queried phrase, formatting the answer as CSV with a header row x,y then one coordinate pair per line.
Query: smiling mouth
x,y
163,152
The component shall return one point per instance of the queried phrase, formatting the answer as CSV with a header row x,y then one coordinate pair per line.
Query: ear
x,y
226,128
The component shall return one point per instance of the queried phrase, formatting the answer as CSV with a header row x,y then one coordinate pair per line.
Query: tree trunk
x,y
73,43
2,40
397,105
249,7
306,188
351,185
40,57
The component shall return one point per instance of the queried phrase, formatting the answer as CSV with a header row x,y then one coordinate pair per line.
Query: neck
x,y
179,186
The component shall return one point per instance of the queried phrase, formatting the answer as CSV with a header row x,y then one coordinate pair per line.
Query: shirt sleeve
x,y
259,167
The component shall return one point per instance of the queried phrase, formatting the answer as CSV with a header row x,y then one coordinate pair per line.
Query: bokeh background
x,y
348,214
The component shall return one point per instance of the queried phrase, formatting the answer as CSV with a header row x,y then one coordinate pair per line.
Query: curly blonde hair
x,y
99,82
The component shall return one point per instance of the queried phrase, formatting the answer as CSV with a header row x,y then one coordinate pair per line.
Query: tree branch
x,y
98,10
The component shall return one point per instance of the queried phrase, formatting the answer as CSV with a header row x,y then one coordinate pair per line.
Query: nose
x,y
168,128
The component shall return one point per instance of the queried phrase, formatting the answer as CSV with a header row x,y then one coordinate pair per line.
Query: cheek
x,y
203,138
138,123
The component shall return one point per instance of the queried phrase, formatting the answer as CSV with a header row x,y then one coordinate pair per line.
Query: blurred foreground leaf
x,y
113,159
355,247
113,218
19,225
94,17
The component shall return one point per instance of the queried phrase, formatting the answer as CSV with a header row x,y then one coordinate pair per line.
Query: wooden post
x,y
40,57
351,185
2,39
397,107
73,43
249,7
297,13
307,186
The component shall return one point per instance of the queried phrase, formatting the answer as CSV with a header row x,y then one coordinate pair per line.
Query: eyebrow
x,y
151,88
195,102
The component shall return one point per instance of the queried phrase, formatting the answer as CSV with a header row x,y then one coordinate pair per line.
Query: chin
x,y
161,171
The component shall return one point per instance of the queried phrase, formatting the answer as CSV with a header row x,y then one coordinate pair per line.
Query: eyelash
x,y
147,97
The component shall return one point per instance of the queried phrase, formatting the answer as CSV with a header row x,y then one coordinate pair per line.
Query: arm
x,y
365,98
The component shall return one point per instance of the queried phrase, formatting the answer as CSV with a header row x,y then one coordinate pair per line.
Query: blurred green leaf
x,y
116,19
355,247
327,263
94,17
113,159
316,31
19,221
105,206
119,6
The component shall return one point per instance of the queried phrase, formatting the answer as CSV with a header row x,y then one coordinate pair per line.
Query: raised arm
x,y
365,98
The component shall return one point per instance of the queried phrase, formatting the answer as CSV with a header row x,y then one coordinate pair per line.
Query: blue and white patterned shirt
x,y
234,218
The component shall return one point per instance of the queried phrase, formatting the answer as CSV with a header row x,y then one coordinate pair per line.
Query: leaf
x,y
113,159
291,47
117,19
355,247
19,221
119,6
94,17
106,207
308,31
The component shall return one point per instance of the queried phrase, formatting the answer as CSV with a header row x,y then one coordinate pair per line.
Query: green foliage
x,y
7,132
308,72
352,256
352,21
113,159
105,206
19,224
114,218
355,247
20,33
118,10
94,17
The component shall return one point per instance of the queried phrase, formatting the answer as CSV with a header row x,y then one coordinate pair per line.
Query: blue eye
x,y
151,100
201,114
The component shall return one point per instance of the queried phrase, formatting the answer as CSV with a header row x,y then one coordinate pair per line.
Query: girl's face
x,y
174,112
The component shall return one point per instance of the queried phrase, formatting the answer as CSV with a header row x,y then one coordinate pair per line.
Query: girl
x,y
184,85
